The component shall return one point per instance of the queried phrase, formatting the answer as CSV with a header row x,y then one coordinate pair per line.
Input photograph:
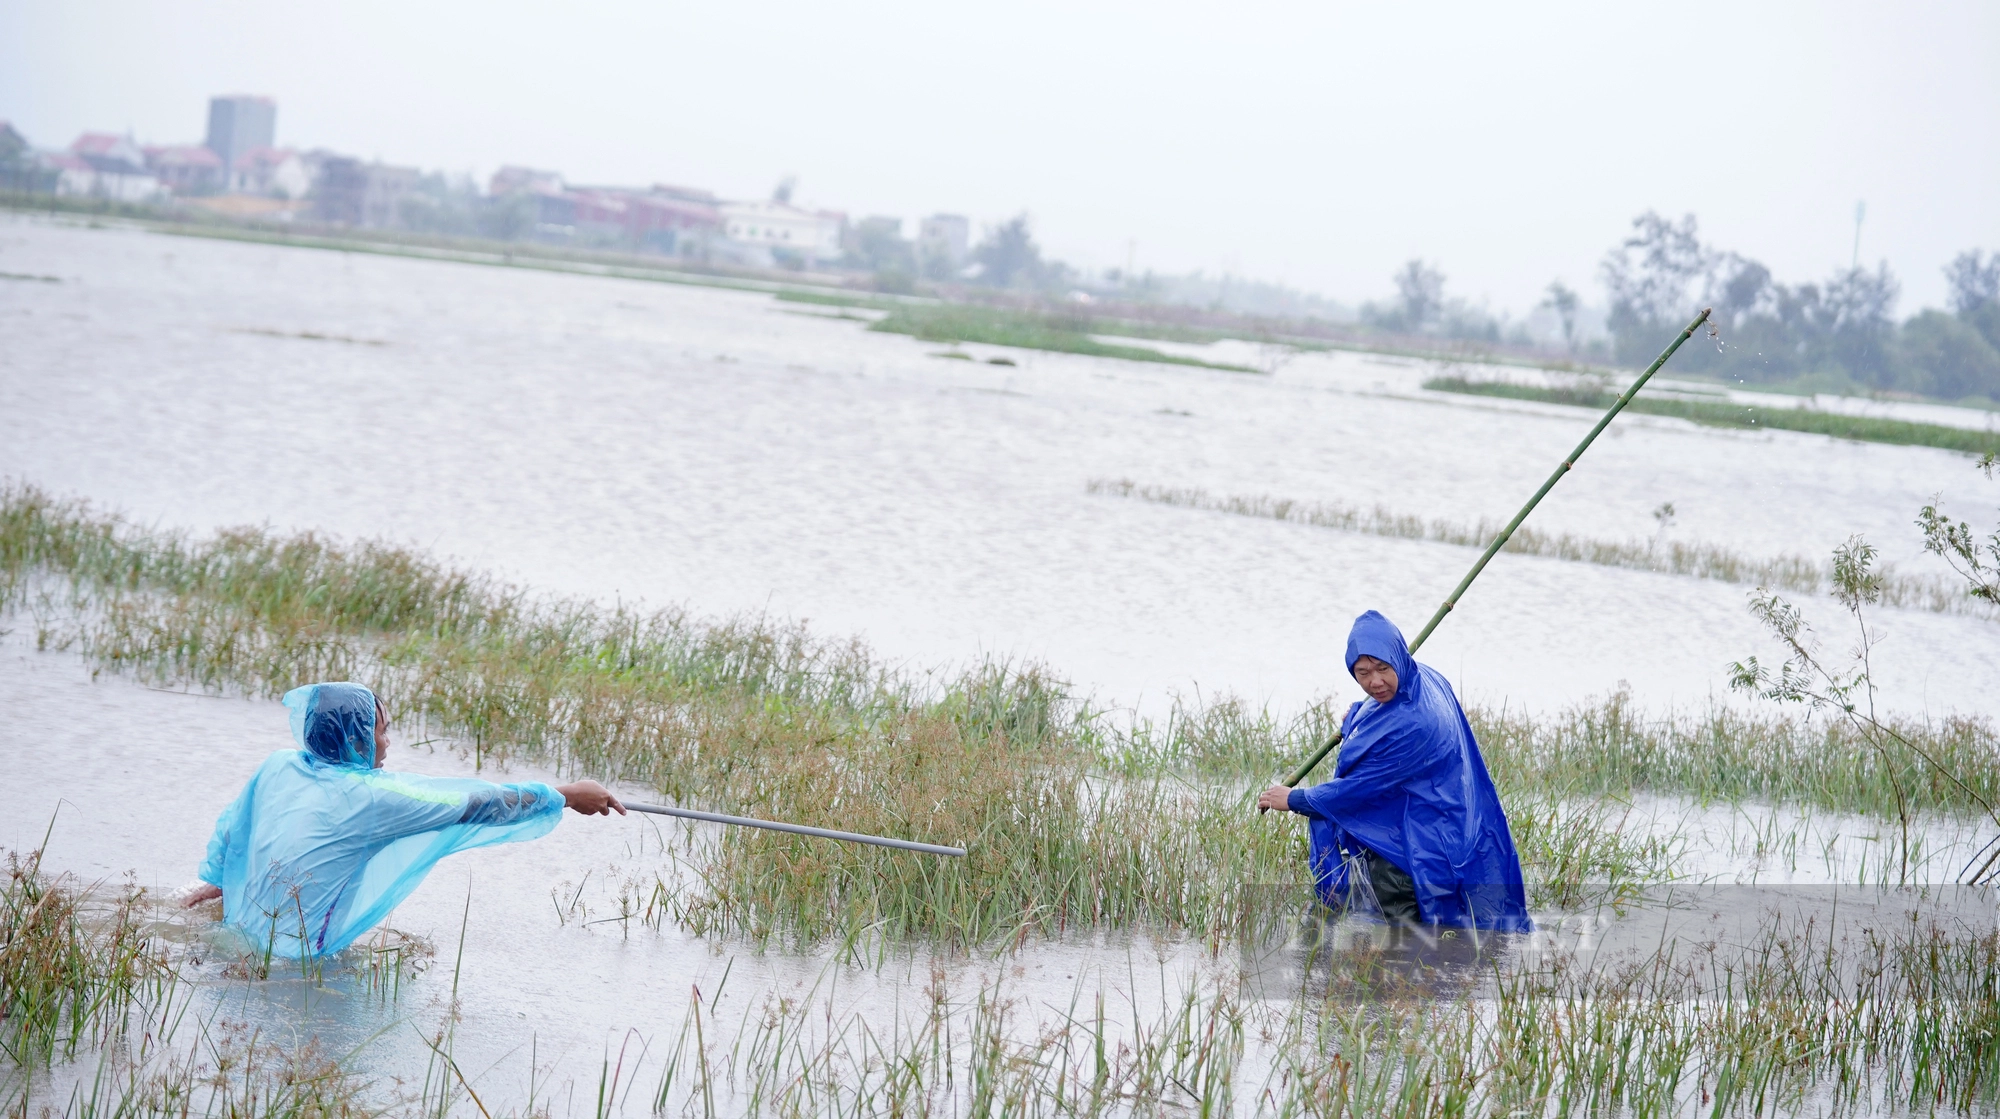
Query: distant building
x,y
19,168
945,238
272,173
101,165
779,227
524,180
370,195
664,219
238,123
187,169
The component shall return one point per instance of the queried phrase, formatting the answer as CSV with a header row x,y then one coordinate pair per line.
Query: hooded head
x,y
335,723
1376,636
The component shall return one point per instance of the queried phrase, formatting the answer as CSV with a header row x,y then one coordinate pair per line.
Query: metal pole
x,y
797,829
1500,541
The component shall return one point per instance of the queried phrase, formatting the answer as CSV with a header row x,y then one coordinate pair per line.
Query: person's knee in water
x,y
1410,799
323,841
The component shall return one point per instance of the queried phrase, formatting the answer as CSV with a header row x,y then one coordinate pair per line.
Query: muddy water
x,y
720,449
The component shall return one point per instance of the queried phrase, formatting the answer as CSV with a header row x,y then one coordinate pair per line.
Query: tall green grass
x,y
960,322
1671,557
1796,1020
1722,754
74,962
1870,429
1072,821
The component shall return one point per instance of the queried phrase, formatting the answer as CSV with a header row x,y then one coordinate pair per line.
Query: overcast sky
x,y
1320,144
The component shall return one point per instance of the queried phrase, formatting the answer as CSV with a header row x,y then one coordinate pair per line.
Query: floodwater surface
x,y
715,448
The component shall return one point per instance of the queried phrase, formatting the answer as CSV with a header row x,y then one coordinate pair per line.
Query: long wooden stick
x,y
796,829
1500,541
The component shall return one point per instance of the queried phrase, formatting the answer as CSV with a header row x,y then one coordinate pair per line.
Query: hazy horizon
x,y
1315,146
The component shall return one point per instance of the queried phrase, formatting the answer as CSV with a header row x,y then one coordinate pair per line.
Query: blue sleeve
x,y
401,804
510,804
1387,768
1297,802
226,827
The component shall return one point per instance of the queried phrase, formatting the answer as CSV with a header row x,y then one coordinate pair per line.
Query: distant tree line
x,y
1420,307
1837,334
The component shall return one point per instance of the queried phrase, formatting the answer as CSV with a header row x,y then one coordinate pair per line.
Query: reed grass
x,y
993,326
230,1071
1720,754
1868,429
1669,557
74,962
1901,1020
1071,824
1072,821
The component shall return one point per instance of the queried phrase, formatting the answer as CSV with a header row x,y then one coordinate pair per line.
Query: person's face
x,y
381,733
1376,678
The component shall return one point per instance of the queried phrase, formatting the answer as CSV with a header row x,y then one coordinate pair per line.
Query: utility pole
x,y
1860,212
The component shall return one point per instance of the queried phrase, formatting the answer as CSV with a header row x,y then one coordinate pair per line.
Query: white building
x,y
100,165
779,226
273,173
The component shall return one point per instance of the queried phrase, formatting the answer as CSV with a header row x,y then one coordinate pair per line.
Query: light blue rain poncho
x,y
321,845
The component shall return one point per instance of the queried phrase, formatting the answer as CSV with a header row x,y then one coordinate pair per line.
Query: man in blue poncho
x,y
1410,804
323,842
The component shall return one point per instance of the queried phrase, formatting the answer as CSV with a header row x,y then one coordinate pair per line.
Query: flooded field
x,y
622,442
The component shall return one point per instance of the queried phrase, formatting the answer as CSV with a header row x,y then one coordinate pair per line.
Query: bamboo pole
x,y
1500,541
796,829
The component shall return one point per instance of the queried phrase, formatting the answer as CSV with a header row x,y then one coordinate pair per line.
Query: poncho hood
x,y
334,723
1376,636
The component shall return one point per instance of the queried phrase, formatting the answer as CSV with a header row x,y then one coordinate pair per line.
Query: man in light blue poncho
x,y
323,842
1410,805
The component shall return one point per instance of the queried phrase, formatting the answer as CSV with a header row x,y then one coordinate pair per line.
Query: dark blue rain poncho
x,y
321,845
1411,787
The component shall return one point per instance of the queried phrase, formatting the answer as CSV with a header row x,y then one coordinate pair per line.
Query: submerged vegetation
x,y
1072,821
1723,413
73,962
1024,329
1671,557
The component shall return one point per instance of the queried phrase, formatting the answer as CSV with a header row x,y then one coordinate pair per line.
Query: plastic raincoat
x,y
321,845
1411,787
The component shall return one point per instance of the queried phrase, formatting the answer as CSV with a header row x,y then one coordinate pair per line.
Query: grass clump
x,y
742,715
956,323
1727,755
1870,429
1793,1018
1071,823
1669,557
73,963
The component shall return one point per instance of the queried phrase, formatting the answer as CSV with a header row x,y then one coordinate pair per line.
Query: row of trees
x,y
1838,333
1420,307
1007,257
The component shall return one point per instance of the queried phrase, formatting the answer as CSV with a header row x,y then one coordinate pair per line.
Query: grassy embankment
x,y
1670,557
1071,822
1718,413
